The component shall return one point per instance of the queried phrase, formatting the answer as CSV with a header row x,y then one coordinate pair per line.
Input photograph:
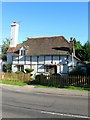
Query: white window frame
x,y
22,51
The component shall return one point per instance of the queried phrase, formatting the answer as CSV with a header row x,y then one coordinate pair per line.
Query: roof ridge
x,y
38,38
45,37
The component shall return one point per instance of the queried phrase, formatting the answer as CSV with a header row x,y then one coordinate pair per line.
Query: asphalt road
x,y
19,104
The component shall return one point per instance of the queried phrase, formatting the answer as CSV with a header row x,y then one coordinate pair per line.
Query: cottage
x,y
53,54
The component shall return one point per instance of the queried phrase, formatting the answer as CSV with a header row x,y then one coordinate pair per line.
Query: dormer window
x,y
22,51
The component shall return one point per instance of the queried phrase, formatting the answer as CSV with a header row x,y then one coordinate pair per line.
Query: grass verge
x,y
13,83
65,87
43,86
77,88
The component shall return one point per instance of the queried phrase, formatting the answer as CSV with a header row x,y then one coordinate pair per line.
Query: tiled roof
x,y
55,45
11,49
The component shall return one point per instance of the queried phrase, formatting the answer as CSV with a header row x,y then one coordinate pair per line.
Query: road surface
x,y
19,104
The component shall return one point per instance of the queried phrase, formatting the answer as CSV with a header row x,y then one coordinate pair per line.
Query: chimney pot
x,y
71,38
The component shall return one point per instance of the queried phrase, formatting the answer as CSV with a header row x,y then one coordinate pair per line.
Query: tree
x,y
82,51
79,52
77,44
86,47
5,46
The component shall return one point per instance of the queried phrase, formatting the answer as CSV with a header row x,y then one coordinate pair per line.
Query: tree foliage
x,y
77,44
79,70
86,47
5,46
82,51
9,67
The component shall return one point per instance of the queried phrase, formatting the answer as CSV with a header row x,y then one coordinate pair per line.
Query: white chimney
x,y
14,34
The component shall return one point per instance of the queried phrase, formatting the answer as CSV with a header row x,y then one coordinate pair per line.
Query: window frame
x,y
22,51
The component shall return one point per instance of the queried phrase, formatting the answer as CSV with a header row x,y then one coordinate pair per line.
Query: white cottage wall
x,y
27,59
37,63
41,60
40,68
63,59
15,60
26,66
35,69
58,69
21,60
47,59
34,59
9,57
14,68
55,59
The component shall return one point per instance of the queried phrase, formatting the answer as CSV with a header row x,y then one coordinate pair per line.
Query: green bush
x,y
9,67
18,72
29,70
78,71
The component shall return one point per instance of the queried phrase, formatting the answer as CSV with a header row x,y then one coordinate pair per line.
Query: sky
x,y
38,19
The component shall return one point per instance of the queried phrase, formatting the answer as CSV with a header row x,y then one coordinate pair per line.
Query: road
x,y
19,104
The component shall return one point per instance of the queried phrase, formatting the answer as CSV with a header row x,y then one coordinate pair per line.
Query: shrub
x,y
29,70
18,72
78,71
9,67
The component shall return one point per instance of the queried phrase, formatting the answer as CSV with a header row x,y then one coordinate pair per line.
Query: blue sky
x,y
38,19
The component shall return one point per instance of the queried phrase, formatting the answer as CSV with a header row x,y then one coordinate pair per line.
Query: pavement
x,y
52,91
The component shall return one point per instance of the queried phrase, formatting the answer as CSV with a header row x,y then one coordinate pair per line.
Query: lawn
x,y
13,83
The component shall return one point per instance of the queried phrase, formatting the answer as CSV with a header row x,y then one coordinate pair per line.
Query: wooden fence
x,y
16,77
58,81
61,81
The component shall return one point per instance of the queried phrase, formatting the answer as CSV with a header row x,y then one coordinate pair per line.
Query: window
x,y
23,52
20,68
